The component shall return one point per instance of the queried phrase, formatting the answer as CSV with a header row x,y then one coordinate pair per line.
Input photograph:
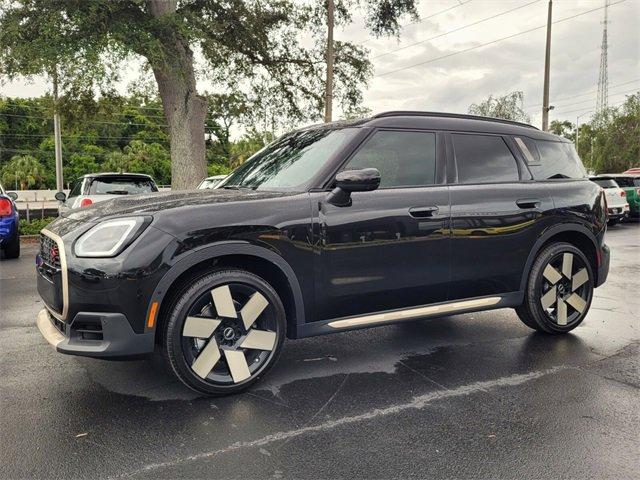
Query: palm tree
x,y
23,169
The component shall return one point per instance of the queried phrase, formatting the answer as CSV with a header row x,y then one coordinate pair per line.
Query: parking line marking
x,y
417,403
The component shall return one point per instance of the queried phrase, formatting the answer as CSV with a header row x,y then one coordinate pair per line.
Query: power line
x,y
79,136
426,18
587,108
456,29
493,41
88,121
613,94
580,94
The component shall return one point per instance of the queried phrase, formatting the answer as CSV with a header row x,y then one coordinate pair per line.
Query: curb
x,y
29,238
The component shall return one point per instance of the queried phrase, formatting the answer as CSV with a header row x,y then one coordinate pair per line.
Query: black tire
x,y
12,248
613,221
187,347
559,296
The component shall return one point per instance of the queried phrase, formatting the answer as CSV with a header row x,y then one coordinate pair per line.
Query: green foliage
x,y
24,170
563,128
34,226
117,133
508,107
611,143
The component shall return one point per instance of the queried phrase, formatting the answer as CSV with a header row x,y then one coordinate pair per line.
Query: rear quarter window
x,y
548,160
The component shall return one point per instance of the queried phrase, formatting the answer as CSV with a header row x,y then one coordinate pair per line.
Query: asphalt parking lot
x,y
476,395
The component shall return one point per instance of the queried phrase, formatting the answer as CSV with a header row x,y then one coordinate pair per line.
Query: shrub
x,y
34,226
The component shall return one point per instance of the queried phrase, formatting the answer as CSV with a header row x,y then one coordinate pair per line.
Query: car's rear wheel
x,y
559,290
224,332
12,248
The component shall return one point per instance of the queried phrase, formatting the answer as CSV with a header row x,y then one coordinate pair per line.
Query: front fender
x,y
236,247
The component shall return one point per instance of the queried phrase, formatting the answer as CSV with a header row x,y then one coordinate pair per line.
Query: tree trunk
x,y
183,108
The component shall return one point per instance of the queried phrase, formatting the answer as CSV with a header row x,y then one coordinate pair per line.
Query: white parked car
x,y
211,182
618,207
98,187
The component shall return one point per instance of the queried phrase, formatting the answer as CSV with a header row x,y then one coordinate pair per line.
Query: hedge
x,y
34,226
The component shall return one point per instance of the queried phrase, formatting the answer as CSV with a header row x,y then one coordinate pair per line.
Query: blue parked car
x,y
9,238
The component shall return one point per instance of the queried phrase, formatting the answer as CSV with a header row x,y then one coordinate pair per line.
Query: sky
x,y
440,63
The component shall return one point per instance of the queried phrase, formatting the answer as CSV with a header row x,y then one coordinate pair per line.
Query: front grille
x,y
49,252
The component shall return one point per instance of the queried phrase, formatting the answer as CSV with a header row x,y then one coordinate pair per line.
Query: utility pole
x,y
328,92
547,61
56,133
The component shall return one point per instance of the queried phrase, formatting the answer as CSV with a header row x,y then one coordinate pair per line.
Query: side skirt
x,y
433,310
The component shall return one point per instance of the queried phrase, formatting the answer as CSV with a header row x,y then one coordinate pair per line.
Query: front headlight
x,y
109,238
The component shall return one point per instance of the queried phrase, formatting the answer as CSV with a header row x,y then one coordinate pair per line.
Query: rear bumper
x,y
98,335
8,229
603,265
618,212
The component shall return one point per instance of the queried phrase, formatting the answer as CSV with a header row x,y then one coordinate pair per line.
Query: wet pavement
x,y
477,395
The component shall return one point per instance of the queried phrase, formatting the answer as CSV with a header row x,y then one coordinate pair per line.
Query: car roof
x,y
446,121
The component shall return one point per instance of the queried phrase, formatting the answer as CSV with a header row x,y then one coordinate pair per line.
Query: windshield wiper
x,y
231,187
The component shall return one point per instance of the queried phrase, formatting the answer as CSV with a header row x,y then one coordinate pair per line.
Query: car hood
x,y
161,202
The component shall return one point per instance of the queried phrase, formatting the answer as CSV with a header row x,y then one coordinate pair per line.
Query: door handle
x,y
422,212
528,203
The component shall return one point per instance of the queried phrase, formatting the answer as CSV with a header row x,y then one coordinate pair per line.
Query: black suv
x,y
402,216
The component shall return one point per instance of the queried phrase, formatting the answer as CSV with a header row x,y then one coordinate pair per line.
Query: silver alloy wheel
x,y
224,336
565,290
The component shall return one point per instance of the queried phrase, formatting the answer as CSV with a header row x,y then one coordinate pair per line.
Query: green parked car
x,y
630,183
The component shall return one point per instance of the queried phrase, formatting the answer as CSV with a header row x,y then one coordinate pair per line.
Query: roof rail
x,y
417,113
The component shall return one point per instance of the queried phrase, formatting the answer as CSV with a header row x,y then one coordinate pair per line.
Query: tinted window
x,y
605,182
483,158
290,161
121,186
557,160
628,181
404,159
529,150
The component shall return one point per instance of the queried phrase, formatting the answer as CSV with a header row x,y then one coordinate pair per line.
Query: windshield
x,y
121,186
290,161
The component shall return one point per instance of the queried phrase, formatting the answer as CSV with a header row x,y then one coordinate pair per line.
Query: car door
x,y
390,248
497,214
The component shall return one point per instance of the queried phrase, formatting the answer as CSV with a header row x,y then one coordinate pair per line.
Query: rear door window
x,y
484,159
550,160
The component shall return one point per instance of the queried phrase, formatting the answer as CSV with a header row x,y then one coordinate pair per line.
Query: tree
x,y
508,107
250,42
24,170
381,18
564,128
140,157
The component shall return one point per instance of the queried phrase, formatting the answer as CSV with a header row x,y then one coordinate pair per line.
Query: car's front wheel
x,y
559,290
224,332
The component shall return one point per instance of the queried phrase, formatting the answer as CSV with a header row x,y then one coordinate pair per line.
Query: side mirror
x,y
365,180
60,196
12,195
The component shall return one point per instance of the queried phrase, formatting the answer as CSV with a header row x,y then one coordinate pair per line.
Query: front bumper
x,y
616,213
98,335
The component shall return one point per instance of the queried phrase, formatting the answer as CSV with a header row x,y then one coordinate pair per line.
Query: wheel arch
x,y
237,254
575,234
